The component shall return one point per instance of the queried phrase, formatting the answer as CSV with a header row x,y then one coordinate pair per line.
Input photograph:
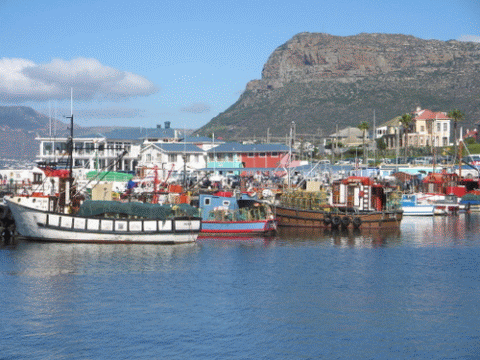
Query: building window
x,y
206,201
251,155
422,128
148,157
262,154
274,154
172,158
439,127
445,127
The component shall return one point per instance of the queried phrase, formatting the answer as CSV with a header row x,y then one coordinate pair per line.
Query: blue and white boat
x,y
413,205
239,214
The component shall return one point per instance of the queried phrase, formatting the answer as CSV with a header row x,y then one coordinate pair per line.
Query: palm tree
x,y
364,127
406,120
456,115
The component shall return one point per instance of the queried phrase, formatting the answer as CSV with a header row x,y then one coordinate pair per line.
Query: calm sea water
x,y
412,293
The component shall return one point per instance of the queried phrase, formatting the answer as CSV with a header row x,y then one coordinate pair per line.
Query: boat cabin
x,y
362,194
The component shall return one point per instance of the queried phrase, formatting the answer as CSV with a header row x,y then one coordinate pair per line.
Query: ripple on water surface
x,y
410,292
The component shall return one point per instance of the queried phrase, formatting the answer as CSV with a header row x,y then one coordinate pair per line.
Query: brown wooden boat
x,y
336,218
355,202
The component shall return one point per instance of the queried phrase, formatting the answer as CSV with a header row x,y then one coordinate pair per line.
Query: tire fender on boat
x,y
357,222
346,221
336,221
327,219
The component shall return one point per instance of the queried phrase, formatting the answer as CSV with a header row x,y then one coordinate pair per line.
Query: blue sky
x,y
146,62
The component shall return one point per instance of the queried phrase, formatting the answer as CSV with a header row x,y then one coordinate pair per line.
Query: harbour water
x,y
410,293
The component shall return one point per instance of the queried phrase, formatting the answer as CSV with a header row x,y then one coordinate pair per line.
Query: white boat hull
x,y
47,226
418,210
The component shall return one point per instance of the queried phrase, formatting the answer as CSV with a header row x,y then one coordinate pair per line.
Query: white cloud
x,y
469,38
23,80
197,108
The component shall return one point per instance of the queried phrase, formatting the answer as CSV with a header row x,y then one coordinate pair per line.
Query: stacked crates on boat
x,y
308,200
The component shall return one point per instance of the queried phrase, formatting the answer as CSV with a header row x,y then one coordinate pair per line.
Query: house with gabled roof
x,y
349,137
428,128
391,132
172,157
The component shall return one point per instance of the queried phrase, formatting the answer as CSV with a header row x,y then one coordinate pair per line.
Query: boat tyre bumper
x,y
357,222
346,220
336,221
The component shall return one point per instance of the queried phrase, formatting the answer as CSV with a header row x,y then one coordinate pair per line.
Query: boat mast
x,y
434,143
374,140
70,146
290,155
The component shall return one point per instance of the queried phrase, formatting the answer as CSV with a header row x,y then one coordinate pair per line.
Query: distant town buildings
x,y
165,149
170,150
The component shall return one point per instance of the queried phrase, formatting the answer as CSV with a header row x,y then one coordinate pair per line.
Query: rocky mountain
x,y
320,81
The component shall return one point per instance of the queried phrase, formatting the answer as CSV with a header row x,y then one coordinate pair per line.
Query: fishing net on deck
x,y
93,208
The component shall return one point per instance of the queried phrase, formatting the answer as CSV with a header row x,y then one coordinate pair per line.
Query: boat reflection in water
x,y
51,259
342,237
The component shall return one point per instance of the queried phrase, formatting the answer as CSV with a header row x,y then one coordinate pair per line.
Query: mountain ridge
x,y
320,81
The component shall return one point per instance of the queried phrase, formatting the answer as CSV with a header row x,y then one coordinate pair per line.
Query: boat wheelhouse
x,y
235,214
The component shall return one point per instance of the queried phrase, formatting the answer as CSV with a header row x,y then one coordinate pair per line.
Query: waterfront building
x,y
117,150
230,156
171,157
90,152
166,149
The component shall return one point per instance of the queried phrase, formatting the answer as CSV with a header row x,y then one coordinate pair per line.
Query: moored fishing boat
x,y
107,222
64,216
471,200
228,214
413,206
355,202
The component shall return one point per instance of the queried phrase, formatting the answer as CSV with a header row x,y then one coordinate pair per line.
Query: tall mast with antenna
x,y
184,157
70,143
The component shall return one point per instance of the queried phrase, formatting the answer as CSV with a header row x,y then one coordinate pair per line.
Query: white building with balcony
x,y
90,152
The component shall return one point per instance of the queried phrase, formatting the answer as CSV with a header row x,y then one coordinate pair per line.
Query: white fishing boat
x,y
412,205
64,216
107,222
